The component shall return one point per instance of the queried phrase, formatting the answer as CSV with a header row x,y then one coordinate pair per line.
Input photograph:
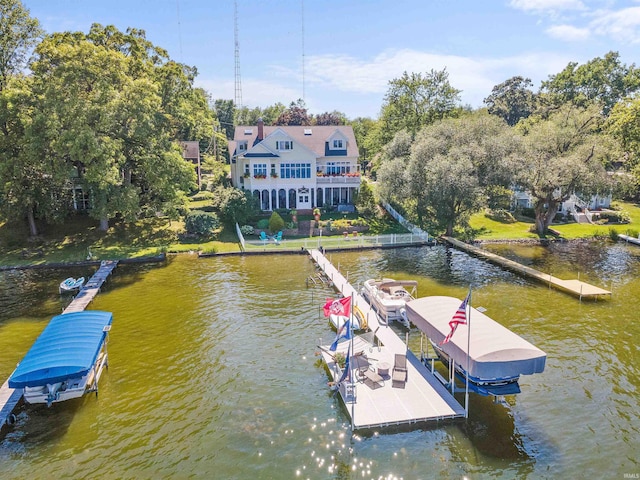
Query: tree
x,y
117,105
563,156
605,80
225,112
365,201
18,34
624,125
415,100
234,205
330,118
33,181
452,165
296,114
512,100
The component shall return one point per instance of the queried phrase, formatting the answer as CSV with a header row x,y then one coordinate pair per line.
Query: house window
x,y
242,146
284,145
260,170
295,170
338,168
81,200
338,144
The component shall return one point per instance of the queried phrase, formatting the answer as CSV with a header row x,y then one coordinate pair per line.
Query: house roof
x,y
316,141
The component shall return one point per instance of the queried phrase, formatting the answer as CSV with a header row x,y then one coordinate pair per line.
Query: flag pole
x,y
353,388
466,392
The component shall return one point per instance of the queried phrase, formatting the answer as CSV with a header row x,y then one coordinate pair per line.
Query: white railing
x,y
338,179
240,236
405,223
336,242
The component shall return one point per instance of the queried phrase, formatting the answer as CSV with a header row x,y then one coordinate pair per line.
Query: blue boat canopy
x,y
67,348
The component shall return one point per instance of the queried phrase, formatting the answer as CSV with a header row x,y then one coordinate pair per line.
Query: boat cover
x,y
496,352
67,348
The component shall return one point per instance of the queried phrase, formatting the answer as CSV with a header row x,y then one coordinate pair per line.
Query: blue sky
x,y
352,48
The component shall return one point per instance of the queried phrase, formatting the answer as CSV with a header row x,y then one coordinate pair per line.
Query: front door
x,y
304,199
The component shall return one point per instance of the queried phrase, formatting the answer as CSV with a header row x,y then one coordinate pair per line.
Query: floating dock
x,y
10,397
628,239
376,403
575,287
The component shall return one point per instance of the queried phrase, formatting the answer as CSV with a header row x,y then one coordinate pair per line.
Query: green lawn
x,y
487,229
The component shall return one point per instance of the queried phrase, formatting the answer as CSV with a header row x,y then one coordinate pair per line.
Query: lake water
x,y
213,373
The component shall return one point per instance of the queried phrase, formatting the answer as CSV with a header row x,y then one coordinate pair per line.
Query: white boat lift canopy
x,y
495,351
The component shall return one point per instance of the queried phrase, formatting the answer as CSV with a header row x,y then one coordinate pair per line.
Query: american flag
x,y
459,318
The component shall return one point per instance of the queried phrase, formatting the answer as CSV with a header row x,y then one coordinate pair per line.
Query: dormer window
x,y
242,146
248,131
284,145
338,144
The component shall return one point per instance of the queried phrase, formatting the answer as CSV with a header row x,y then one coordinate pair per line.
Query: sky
x,y
341,54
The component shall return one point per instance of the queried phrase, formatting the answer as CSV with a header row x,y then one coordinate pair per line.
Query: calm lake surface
x,y
213,373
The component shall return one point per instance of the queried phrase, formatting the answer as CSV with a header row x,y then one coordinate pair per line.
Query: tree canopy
x,y
512,100
604,80
563,156
451,164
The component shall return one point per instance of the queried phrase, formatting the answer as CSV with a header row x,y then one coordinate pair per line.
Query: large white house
x,y
296,167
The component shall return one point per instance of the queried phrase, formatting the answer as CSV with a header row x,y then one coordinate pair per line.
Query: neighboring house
x,y
572,206
80,195
191,152
296,167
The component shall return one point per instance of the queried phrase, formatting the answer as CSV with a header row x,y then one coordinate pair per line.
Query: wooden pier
x,y
575,287
628,239
9,397
376,403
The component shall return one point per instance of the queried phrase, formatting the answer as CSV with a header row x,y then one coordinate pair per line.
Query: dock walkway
x,y
423,399
10,397
629,239
575,287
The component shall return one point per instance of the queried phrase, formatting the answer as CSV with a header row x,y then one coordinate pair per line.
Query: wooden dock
x,y
9,397
628,239
378,404
575,287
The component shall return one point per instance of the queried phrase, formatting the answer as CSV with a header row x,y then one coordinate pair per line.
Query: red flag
x,y
338,306
459,318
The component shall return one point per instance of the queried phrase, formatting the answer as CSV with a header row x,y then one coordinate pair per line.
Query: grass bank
x,y
485,228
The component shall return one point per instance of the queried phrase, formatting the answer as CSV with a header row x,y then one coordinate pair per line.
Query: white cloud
x,y
356,85
474,76
622,25
547,6
568,33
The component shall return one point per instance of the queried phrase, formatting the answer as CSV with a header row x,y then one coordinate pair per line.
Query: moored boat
x,y
359,320
389,298
71,284
66,360
497,356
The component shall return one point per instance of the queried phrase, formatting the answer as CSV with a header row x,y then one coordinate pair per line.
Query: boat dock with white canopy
x,y
377,399
497,356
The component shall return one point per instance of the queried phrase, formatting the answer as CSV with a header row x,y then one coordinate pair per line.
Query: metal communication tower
x,y
238,93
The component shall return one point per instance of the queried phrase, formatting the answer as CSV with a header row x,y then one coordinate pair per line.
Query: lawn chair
x,y
263,237
399,373
278,237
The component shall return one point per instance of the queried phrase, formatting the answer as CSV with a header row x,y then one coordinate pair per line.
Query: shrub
x,y
201,223
263,224
276,223
528,212
203,195
247,230
501,215
614,217
613,234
